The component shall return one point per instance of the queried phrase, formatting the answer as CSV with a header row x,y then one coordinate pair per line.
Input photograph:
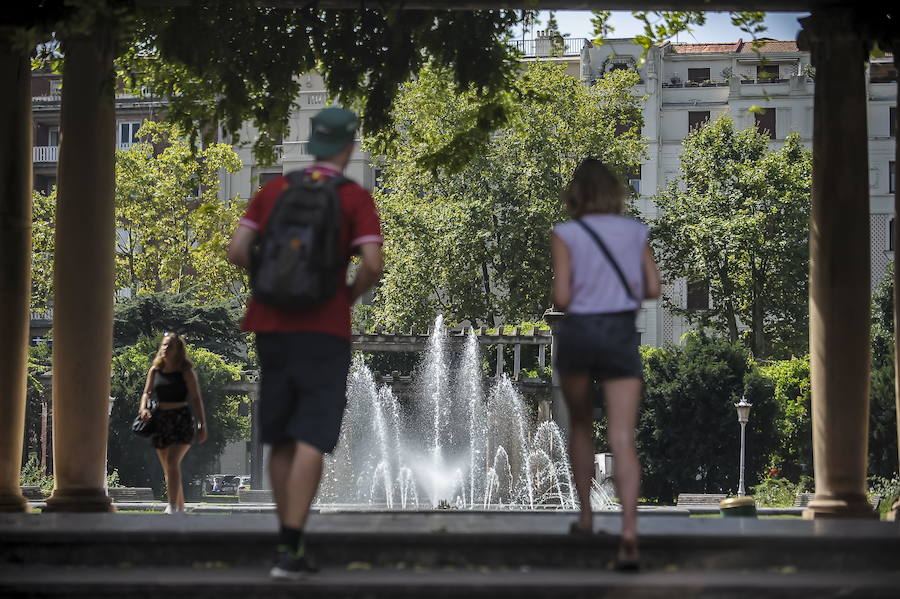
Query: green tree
x,y
133,456
739,220
43,225
688,437
557,39
474,243
212,326
172,225
882,406
792,455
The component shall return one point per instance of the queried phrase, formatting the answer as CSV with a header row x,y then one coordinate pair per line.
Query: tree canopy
x,y
739,220
171,222
474,243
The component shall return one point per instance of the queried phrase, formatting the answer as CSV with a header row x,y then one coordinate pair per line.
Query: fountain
x,y
456,446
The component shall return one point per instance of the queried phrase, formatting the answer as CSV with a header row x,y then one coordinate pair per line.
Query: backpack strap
x,y
609,258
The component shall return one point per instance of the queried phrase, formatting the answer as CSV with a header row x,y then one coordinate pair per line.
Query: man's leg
x,y
302,484
280,461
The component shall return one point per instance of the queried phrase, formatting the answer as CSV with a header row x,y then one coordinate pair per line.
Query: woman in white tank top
x,y
603,268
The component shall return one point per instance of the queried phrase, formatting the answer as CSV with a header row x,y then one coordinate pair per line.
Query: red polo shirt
x,y
359,225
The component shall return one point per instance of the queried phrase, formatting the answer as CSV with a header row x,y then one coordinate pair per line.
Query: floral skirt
x,y
173,427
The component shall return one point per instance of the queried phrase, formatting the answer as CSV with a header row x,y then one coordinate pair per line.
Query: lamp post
x,y
743,414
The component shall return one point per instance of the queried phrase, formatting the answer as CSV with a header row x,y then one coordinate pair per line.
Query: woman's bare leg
x,y
577,390
170,458
622,399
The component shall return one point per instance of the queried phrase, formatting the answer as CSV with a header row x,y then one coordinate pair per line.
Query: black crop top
x,y
169,386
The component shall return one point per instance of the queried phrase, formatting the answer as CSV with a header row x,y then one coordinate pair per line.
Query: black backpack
x,y
295,262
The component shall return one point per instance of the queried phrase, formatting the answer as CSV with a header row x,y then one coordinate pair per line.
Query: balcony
x,y
44,154
545,46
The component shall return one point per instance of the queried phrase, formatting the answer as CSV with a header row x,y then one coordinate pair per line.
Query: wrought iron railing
x,y
546,46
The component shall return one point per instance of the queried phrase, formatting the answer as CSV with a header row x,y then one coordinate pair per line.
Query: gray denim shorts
x,y
602,345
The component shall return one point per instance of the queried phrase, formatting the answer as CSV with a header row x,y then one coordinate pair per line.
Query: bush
x,y
887,488
32,475
792,455
779,491
688,437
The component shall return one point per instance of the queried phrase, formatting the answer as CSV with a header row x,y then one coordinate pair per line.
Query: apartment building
x,y
685,85
688,84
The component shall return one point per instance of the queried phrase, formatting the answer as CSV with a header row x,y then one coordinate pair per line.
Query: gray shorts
x,y
303,387
604,346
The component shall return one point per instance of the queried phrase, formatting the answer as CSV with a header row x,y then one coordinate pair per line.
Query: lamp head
x,y
743,410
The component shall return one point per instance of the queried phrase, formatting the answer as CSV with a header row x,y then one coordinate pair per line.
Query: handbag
x,y
145,428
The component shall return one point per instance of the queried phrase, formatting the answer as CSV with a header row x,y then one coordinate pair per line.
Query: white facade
x,y
678,79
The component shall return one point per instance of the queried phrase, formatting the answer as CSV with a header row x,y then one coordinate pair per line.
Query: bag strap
x,y
609,257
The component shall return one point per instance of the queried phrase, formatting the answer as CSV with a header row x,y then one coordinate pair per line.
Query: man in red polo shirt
x,y
304,355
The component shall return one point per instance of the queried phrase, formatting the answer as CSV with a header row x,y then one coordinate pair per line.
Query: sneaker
x,y
291,567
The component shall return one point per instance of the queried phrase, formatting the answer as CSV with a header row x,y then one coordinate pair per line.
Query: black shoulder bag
x,y
146,428
610,258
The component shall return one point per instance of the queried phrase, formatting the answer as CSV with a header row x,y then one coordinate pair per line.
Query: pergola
x,y
838,35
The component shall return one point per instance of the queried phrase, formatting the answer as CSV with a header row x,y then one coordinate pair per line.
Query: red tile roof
x,y
767,46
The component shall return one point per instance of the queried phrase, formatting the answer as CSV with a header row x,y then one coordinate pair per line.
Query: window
x,y
634,180
891,235
698,295
266,177
55,87
767,71
697,118
53,136
892,177
128,134
882,72
698,75
892,127
765,122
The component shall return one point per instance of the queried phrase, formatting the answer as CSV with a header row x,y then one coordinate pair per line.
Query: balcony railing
x,y
545,46
45,153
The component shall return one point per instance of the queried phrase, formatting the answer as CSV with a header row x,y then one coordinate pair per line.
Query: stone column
x,y
83,275
558,408
895,509
839,286
256,446
15,263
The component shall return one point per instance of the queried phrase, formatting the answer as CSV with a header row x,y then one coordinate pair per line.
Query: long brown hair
x,y
176,344
594,188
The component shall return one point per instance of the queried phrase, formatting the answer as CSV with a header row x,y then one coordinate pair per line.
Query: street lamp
x,y
743,414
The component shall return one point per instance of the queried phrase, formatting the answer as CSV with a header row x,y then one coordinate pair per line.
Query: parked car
x,y
222,484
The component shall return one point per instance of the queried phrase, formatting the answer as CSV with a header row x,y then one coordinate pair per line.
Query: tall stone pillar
x,y
839,286
15,263
83,275
895,509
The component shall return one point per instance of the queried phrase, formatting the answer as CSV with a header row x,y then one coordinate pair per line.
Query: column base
x,y
79,500
839,506
13,501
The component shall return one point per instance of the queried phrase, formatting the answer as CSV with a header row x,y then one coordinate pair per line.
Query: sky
x,y
718,28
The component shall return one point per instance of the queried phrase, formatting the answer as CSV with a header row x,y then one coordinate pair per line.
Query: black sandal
x,y
630,564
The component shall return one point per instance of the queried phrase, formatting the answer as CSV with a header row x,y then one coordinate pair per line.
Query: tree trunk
x,y
730,314
759,315
15,265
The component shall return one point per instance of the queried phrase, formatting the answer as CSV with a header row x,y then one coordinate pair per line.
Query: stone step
x,y
376,583
448,539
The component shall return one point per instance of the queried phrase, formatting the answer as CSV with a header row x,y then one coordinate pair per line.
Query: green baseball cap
x,y
332,129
